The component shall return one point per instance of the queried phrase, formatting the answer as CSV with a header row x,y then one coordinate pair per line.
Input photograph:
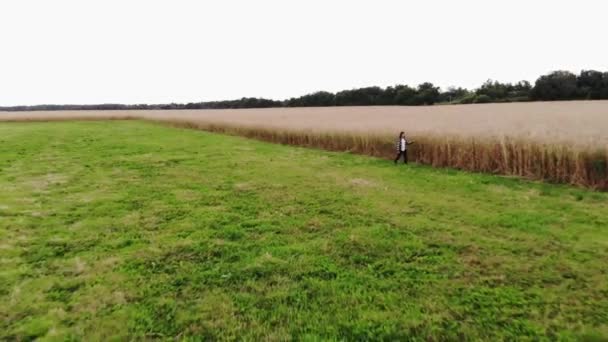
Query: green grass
x,y
136,230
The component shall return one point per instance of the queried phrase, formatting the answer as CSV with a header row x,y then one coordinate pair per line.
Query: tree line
x,y
557,85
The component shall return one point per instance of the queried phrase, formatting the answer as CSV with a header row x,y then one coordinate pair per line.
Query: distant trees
x,y
494,91
320,98
564,85
405,95
520,91
452,94
592,85
359,97
497,91
604,90
426,94
557,85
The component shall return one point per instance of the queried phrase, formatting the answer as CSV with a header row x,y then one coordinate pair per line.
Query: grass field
x,y
126,229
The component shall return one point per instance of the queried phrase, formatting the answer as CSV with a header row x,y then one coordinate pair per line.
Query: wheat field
x,y
564,141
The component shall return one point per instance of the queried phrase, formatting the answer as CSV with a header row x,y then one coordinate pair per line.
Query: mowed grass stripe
x,y
131,229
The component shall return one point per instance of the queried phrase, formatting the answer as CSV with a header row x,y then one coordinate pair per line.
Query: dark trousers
x,y
399,154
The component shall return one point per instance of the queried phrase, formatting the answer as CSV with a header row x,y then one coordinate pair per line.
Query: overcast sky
x,y
132,51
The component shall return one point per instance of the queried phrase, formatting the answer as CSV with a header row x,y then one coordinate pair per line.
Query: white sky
x,y
147,51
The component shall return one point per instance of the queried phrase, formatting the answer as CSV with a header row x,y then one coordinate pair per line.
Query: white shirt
x,y
403,145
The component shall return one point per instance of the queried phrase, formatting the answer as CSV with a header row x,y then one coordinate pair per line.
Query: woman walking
x,y
402,147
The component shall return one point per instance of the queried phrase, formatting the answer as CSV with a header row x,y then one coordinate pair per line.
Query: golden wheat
x,y
518,157
565,142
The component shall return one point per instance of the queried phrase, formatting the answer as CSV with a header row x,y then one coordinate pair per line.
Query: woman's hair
x,y
401,134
